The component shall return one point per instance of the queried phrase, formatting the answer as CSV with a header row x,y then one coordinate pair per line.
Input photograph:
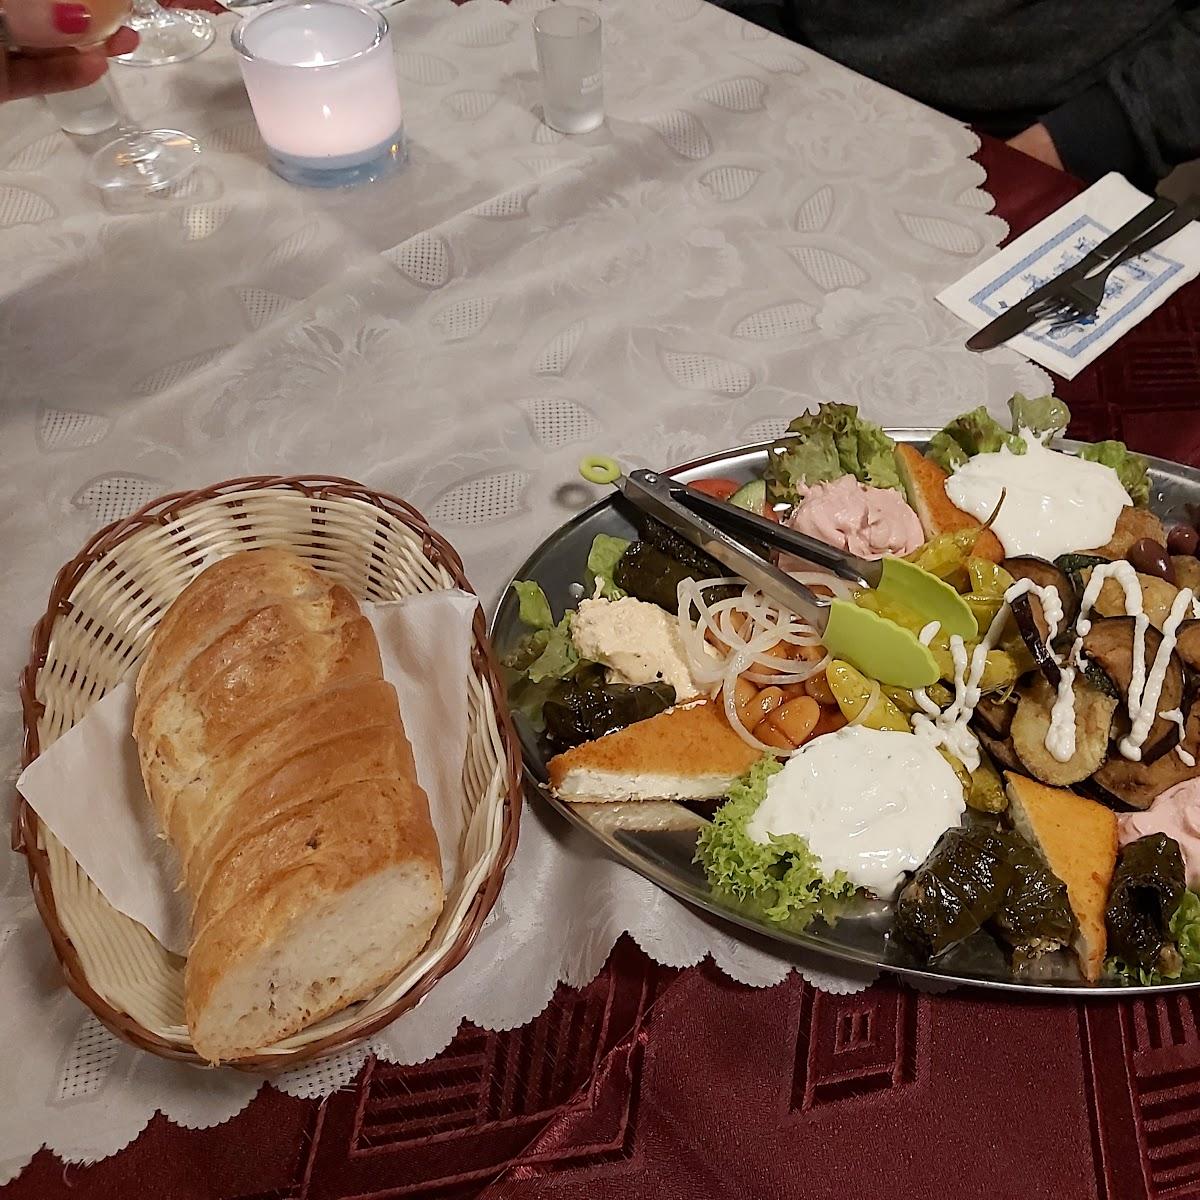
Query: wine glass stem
x,y
125,123
148,10
140,149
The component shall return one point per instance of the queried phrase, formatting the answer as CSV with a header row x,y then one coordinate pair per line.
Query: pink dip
x,y
1177,814
867,521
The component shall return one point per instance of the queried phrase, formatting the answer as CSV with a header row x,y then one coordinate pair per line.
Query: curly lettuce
x,y
822,446
1131,468
1185,929
782,880
1043,415
975,432
978,432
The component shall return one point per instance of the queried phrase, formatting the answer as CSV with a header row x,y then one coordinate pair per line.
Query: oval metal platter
x,y
666,856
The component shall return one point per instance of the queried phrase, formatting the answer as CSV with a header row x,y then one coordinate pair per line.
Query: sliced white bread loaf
x,y
274,754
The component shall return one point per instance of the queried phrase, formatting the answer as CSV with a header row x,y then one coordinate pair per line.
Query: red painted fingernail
x,y
71,18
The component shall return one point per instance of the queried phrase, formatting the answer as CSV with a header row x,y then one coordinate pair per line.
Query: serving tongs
x,y
877,646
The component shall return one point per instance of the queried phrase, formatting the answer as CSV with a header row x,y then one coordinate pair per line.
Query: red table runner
x,y
659,1083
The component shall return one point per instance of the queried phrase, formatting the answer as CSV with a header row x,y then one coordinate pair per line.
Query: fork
x,y
1077,302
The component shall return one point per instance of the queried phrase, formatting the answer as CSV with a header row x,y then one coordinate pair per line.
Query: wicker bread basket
x,y
103,609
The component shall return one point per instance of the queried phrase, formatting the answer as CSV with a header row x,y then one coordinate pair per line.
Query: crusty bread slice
x,y
687,753
309,945
925,485
1077,839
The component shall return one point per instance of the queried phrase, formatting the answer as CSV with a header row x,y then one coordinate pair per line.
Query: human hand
x,y
45,35
1037,143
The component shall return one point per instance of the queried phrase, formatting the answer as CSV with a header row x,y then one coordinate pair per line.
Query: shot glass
x,y
322,83
568,53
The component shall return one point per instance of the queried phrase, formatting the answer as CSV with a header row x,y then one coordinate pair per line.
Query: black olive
x,y
1183,539
1150,558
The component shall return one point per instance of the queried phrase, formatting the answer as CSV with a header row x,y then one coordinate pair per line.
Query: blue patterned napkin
x,y
1134,290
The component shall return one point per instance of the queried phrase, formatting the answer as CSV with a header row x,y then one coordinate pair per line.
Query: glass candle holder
x,y
322,84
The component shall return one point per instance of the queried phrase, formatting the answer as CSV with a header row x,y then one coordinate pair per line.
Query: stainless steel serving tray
x,y
666,857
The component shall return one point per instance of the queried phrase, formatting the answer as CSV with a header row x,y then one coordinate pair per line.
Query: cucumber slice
x,y
751,496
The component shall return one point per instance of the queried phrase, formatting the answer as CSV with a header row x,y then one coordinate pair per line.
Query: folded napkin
x,y
1134,290
87,786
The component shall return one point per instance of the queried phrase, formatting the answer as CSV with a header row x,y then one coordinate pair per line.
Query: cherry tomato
x,y
720,489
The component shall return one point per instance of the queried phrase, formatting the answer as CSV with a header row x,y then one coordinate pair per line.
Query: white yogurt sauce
x,y
1054,503
868,802
1145,687
1175,715
951,728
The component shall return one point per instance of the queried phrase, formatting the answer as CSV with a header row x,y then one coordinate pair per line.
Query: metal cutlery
x,y
1017,318
1078,301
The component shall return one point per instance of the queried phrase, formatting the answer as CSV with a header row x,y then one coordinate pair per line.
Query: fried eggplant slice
x,y
1109,644
1093,721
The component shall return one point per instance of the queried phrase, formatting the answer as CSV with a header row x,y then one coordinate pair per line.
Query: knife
x,y
1017,318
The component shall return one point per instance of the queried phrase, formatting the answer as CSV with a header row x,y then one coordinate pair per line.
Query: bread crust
x,y
274,754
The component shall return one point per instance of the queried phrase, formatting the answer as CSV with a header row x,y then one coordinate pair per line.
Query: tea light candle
x,y
322,84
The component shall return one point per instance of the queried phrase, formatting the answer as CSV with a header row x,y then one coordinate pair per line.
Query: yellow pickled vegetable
x,y
903,699
988,578
1000,669
984,608
964,776
986,793
946,556
853,691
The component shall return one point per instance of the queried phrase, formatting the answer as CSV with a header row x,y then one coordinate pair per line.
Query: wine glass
x,y
166,35
145,160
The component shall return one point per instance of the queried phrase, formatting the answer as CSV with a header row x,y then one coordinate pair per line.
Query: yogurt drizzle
x,y
950,728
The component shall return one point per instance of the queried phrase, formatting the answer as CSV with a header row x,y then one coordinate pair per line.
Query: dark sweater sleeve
x,y
1144,118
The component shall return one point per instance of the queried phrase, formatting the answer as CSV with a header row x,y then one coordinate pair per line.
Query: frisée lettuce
x,y
1130,468
978,432
822,446
781,879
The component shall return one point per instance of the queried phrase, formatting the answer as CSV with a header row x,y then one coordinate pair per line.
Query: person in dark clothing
x,y
1090,86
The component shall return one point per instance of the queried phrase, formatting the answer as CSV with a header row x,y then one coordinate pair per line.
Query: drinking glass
x,y
167,35
85,112
146,160
568,52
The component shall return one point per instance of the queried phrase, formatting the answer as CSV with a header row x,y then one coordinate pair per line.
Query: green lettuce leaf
x,y
1185,929
975,432
1042,415
534,609
825,445
602,562
557,657
782,880
1131,468
537,665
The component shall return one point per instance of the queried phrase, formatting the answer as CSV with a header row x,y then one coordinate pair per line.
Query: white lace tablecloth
x,y
754,229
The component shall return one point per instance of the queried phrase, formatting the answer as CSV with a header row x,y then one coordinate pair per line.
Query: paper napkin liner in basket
x,y
87,786
1134,290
